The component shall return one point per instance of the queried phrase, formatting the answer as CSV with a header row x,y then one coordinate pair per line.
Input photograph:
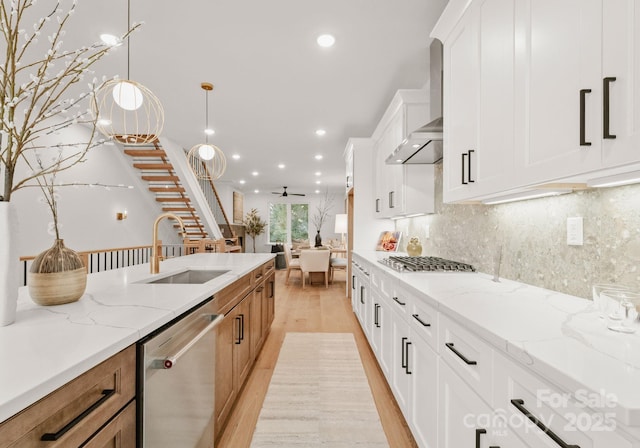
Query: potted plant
x,y
254,226
44,87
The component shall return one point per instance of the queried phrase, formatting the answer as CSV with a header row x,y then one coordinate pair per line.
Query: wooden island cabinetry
x,y
96,409
248,306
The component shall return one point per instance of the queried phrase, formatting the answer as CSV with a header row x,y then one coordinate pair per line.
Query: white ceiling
x,y
274,86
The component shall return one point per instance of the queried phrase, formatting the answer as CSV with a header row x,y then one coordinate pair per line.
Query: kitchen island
x,y
49,346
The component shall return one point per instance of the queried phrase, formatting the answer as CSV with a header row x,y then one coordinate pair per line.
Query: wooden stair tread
x,y
153,166
178,209
161,199
167,189
161,178
145,152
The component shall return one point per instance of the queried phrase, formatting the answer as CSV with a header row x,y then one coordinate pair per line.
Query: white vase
x,y
9,263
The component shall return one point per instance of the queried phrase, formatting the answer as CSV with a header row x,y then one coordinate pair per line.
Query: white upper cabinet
x,y
538,91
621,73
561,102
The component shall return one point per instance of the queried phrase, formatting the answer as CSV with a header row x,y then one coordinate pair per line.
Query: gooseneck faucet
x,y
155,256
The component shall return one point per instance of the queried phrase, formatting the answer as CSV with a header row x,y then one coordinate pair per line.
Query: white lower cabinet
x,y
466,420
423,389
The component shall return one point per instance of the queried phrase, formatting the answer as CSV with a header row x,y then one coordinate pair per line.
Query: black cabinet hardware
x,y
406,367
469,165
519,404
376,308
353,282
392,196
460,355
239,341
399,302
53,436
417,317
362,294
242,327
466,161
404,354
583,98
606,103
479,432
464,156
377,205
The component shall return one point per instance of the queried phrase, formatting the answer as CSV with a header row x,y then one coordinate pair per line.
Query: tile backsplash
x,y
533,237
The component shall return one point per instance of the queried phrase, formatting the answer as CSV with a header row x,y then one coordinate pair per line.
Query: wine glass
x,y
628,303
602,303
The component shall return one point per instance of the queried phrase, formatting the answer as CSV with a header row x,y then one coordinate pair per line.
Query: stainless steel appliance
x,y
425,264
176,381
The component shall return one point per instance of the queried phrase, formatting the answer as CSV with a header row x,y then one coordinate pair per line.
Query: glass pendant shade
x,y
207,161
128,112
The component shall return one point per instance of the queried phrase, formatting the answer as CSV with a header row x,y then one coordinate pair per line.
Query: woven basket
x,y
57,276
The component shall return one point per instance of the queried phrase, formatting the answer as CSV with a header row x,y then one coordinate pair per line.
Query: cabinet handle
x,y
362,294
417,317
479,432
53,436
353,282
469,166
238,319
391,199
583,97
606,83
242,327
460,355
375,315
377,205
519,404
258,277
399,302
272,289
404,356
406,368
464,155
170,360
259,289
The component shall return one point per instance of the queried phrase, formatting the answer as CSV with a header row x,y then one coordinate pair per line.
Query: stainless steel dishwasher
x,y
176,374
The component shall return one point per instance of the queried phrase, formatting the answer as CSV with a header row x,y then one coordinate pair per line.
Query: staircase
x,y
163,182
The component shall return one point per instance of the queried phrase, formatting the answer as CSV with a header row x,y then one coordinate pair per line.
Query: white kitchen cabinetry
x,y
535,91
401,189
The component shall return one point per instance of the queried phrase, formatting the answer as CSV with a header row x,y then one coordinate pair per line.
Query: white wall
x,y
88,215
261,203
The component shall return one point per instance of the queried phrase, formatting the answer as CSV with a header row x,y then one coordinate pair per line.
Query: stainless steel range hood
x,y
424,145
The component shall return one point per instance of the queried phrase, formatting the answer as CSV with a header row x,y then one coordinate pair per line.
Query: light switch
x,y
574,231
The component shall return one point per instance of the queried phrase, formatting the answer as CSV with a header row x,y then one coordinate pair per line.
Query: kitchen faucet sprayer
x,y
155,257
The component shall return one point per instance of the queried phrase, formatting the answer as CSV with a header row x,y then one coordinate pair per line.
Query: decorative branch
x,y
322,210
35,99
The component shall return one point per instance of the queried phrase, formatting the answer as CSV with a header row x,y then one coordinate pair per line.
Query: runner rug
x,y
319,396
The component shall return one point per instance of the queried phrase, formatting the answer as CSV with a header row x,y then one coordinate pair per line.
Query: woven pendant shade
x,y
128,112
207,161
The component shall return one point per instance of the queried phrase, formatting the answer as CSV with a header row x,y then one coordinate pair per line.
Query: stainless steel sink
x,y
190,276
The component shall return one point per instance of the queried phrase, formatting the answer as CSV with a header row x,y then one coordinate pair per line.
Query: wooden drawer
x,y
401,300
269,267
102,391
468,355
234,293
119,432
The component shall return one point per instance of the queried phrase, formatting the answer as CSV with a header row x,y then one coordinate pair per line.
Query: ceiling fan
x,y
284,193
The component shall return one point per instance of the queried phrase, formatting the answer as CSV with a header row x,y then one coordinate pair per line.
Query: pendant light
x,y
126,110
207,161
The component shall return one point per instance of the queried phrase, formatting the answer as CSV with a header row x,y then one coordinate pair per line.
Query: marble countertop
x,y
49,346
556,335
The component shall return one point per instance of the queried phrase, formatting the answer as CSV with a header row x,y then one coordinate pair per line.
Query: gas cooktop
x,y
425,264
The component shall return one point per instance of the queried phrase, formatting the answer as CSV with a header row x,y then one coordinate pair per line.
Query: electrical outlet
x,y
574,231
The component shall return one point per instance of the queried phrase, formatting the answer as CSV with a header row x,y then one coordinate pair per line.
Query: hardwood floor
x,y
314,309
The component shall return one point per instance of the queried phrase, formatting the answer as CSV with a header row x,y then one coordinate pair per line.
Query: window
x,y
288,223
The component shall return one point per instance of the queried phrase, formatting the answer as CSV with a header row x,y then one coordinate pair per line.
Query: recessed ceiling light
x,y
318,173
110,39
318,156
416,145
243,181
399,160
317,191
255,173
236,157
281,166
326,40
256,191
318,182
209,131
320,132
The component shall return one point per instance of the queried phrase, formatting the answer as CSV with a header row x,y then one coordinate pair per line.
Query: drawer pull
x,y
519,404
171,360
258,277
583,100
376,319
399,302
460,355
404,354
406,367
606,105
51,436
423,323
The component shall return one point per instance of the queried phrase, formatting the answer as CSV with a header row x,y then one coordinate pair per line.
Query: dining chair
x,y
315,261
292,263
337,263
